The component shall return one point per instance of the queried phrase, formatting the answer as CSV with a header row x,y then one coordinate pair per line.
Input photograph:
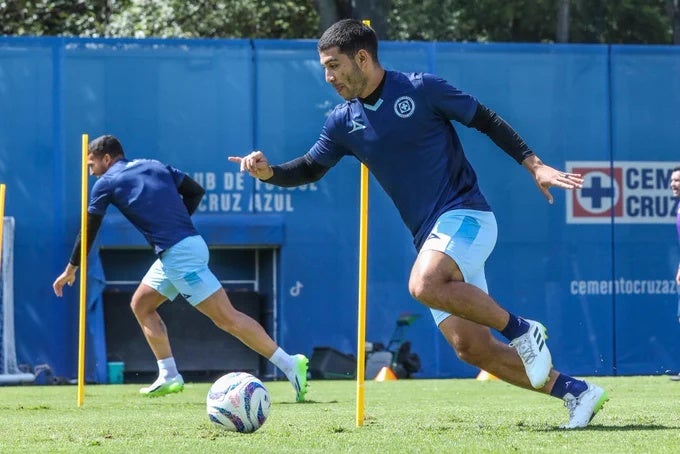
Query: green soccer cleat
x,y
161,387
299,379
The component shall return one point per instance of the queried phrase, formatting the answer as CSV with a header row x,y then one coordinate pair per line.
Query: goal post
x,y
9,370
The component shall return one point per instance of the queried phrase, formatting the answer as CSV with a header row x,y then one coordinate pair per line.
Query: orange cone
x,y
485,376
385,374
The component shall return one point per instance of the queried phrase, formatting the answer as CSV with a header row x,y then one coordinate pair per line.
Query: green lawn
x,y
438,416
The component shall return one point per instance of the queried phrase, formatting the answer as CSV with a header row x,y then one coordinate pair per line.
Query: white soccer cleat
x,y
583,408
533,351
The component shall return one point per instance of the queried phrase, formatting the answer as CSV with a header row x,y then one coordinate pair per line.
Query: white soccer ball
x,y
238,402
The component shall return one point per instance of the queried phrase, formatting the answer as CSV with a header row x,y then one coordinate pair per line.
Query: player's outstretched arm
x,y
547,177
94,221
67,277
301,170
255,164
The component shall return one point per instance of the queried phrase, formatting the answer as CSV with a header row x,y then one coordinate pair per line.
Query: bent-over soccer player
x,y
159,200
399,125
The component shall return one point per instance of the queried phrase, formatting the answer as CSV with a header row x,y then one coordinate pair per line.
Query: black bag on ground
x,y
407,362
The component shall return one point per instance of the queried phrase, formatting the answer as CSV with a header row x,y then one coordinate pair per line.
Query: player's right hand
x,y
64,278
255,164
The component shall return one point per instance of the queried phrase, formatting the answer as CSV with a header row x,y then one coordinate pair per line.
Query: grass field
x,y
437,416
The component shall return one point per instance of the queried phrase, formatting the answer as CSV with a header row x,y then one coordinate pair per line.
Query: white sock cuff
x,y
167,367
282,360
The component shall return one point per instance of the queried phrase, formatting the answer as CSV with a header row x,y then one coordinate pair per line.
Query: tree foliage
x,y
53,17
215,19
620,22
160,18
590,21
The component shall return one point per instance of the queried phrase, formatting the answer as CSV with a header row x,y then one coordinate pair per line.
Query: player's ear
x,y
362,57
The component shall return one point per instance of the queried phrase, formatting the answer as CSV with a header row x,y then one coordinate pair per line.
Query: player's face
x,y
675,183
98,166
344,73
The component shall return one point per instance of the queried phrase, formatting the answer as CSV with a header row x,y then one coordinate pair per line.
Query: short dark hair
x,y
676,169
350,36
107,144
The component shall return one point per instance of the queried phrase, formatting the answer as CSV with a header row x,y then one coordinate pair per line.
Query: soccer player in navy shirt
x,y
159,200
675,190
399,125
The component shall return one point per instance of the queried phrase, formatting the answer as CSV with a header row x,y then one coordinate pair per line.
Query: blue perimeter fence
x,y
597,267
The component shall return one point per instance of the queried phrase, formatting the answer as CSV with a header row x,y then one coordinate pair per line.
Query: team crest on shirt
x,y
404,106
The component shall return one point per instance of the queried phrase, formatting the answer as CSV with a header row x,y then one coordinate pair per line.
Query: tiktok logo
x,y
296,289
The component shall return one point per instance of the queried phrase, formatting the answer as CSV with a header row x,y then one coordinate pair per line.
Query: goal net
x,y
9,370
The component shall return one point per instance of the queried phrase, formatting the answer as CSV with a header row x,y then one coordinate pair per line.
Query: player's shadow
x,y
610,428
309,402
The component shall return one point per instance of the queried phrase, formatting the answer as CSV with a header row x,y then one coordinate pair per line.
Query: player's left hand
x,y
546,177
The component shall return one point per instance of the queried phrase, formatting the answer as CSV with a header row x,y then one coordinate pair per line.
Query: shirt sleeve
x,y
100,197
177,175
191,193
327,151
299,171
449,101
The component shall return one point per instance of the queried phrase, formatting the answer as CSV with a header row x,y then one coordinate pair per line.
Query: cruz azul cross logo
x,y
625,192
404,106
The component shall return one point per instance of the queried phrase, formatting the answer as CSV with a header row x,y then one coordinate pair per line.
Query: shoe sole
x,y
160,392
598,406
300,396
541,385
545,340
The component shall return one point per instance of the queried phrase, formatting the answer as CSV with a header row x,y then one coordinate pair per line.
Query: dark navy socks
x,y
515,328
564,384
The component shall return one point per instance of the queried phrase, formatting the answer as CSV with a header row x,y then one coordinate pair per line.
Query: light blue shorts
x,y
468,237
183,268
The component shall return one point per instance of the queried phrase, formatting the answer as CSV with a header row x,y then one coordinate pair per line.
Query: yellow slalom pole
x,y
363,253
83,272
2,218
361,331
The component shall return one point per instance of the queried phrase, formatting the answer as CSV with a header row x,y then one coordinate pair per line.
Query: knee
x,y
227,321
144,303
422,287
416,288
431,288
139,307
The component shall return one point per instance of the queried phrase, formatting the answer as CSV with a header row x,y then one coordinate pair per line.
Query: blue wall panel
x,y
29,167
321,223
192,103
646,139
556,98
185,105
